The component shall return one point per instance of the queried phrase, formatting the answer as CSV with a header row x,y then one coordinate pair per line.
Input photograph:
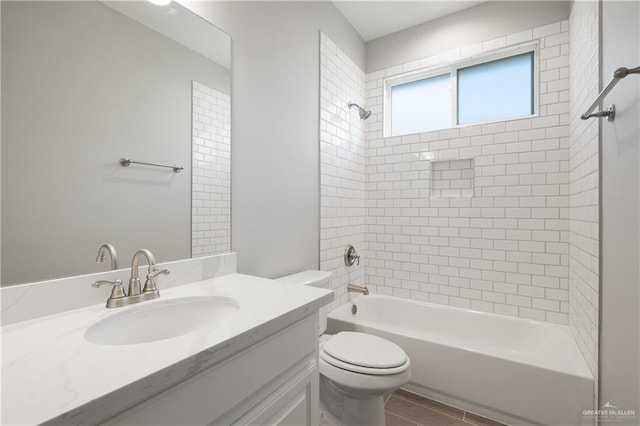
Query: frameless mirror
x,y
85,84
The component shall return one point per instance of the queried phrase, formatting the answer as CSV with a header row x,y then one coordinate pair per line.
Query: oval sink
x,y
162,320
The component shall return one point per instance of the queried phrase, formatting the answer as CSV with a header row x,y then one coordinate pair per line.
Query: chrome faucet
x,y
113,255
149,291
119,297
352,288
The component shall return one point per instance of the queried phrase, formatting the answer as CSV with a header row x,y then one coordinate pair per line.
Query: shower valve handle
x,y
350,256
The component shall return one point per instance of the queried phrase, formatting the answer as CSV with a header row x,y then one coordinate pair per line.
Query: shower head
x,y
364,114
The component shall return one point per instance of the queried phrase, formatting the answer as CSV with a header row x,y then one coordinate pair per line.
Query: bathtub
x,y
513,370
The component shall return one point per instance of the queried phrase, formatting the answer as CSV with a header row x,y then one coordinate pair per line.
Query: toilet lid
x,y
329,360
365,350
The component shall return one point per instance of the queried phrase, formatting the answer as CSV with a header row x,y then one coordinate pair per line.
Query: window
x,y
501,87
496,90
421,105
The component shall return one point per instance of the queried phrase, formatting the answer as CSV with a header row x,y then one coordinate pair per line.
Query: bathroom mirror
x,y
85,84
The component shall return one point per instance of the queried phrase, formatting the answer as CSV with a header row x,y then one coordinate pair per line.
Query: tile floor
x,y
407,409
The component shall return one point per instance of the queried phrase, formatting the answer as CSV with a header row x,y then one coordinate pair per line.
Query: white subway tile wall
x,y
583,181
211,168
502,243
342,167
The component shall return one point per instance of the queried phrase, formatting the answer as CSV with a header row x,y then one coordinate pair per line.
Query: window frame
x,y
452,69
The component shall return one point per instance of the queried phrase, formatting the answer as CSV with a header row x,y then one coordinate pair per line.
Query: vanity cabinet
x,y
274,382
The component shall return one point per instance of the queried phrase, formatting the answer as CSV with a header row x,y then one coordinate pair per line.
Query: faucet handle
x,y
150,283
155,273
118,297
350,256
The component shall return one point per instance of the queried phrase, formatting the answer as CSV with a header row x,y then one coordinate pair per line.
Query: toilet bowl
x,y
356,369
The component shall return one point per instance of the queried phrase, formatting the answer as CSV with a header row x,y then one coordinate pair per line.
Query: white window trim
x,y
452,69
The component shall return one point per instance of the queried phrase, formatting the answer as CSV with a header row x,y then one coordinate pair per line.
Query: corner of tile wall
x,y
584,182
342,168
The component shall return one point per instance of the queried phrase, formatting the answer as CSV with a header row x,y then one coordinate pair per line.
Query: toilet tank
x,y
313,278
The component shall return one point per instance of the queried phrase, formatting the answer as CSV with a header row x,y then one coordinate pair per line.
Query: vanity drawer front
x,y
220,391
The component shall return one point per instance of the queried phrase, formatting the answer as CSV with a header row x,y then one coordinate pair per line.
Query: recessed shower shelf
x,y
452,178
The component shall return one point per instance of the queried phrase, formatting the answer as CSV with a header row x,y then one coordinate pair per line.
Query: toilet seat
x,y
363,370
365,354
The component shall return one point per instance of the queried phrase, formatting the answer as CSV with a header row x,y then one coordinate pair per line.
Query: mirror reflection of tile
x,y
211,190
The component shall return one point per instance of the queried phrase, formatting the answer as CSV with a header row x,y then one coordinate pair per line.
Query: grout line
x,y
433,409
464,412
404,418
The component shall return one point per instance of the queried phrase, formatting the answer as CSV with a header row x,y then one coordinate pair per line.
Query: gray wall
x,y
620,188
75,99
483,22
0,144
274,121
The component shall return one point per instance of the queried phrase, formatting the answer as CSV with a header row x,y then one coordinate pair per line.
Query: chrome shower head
x,y
364,114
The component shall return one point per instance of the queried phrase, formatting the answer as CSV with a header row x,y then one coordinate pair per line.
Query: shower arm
x,y
364,114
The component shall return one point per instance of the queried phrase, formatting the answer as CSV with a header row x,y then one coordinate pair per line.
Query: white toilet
x,y
356,369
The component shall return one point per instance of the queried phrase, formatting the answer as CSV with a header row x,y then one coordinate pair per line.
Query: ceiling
x,y
373,19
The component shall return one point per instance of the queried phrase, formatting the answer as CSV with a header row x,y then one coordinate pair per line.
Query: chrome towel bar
x,y
125,162
610,112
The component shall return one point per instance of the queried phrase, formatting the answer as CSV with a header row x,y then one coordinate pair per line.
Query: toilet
x,y
356,369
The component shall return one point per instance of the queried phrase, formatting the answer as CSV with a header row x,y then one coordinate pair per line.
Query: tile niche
x,y
452,178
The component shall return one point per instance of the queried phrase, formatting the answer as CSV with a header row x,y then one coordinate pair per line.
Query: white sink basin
x,y
162,320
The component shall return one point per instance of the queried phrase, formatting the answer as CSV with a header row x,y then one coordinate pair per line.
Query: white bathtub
x,y
509,369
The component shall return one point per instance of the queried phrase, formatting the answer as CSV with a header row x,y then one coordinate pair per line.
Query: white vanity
x,y
252,360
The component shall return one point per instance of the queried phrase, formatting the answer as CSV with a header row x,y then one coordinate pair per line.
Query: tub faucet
x,y
113,255
149,291
352,288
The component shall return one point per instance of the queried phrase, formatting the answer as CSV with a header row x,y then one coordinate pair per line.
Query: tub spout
x,y
352,288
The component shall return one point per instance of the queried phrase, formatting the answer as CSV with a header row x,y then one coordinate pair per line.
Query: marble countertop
x,y
51,373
